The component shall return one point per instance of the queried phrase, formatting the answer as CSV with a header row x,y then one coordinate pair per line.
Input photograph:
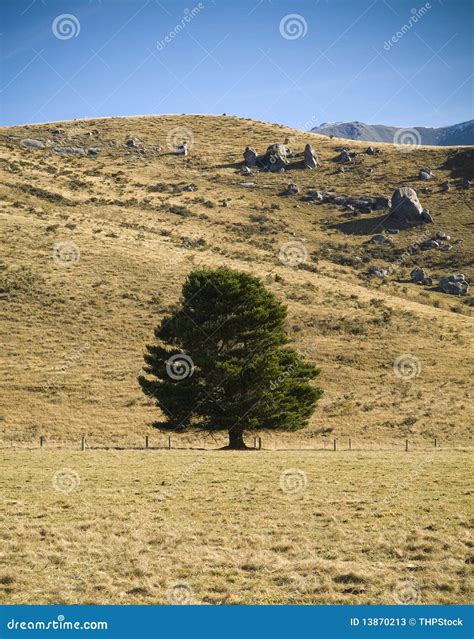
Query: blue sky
x,y
333,60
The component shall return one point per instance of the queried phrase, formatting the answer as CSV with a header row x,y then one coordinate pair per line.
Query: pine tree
x,y
221,361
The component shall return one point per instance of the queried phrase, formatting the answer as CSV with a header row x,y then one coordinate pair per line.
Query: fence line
x,y
338,445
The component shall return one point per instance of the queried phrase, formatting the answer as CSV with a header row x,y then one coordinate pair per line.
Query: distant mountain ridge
x,y
461,134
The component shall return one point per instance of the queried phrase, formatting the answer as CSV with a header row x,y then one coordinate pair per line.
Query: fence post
x,y
83,443
350,444
435,442
335,444
406,445
259,443
41,441
255,443
146,441
169,441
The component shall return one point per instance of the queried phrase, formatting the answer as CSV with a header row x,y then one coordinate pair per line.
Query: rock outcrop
x,y
310,157
250,157
419,276
454,284
406,207
276,158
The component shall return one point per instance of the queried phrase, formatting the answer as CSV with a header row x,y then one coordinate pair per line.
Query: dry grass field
x,y
368,526
218,527
76,330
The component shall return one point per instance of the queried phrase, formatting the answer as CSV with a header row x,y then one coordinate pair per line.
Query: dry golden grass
x,y
76,335
371,526
216,527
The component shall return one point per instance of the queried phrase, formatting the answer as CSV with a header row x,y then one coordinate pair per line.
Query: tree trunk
x,y
236,440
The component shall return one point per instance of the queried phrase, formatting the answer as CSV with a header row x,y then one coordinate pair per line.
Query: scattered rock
x,y
133,143
344,157
464,184
282,149
425,174
445,186
440,235
310,157
375,271
292,189
275,159
406,207
446,248
182,148
250,157
418,275
393,231
94,150
190,187
427,217
245,171
68,150
29,143
225,204
380,239
316,196
380,203
427,245
363,206
454,284
370,150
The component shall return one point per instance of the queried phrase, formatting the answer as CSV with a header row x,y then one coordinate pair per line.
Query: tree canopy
x,y
221,360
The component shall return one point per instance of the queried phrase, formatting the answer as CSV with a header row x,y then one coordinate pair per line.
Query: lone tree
x,y
221,361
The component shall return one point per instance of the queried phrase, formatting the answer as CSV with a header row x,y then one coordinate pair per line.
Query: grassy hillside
x,y
76,331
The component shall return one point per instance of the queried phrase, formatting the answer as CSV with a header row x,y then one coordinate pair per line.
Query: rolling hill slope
x,y
97,248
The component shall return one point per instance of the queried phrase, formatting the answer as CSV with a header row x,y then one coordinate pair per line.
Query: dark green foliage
x,y
233,370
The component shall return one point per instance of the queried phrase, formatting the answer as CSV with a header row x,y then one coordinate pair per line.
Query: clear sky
x,y
334,60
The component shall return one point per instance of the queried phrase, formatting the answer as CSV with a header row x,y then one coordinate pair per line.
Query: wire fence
x,y
347,444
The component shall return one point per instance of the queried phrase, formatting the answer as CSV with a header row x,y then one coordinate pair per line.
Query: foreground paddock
x,y
222,527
